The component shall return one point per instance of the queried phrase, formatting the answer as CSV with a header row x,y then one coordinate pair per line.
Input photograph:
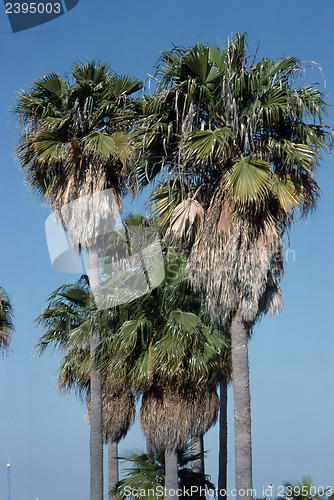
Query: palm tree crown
x,y
240,145
74,140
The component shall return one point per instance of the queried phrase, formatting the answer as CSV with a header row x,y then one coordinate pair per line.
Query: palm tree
x,y
67,327
118,405
171,353
236,147
74,144
6,320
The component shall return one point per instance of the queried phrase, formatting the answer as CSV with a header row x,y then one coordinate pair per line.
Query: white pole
x,y
8,469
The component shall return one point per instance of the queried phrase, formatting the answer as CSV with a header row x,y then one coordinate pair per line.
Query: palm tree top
x,y
234,147
74,132
255,132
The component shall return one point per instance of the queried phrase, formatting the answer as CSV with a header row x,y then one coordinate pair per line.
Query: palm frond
x,y
249,181
208,144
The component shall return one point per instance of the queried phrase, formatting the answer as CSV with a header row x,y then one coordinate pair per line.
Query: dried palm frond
x,y
205,411
169,416
239,269
186,219
118,412
90,219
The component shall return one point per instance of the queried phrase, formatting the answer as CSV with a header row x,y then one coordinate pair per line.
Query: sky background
x,y
44,434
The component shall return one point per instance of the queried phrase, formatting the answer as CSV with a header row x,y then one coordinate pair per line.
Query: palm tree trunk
x,y
171,475
222,472
96,439
197,447
113,475
242,411
149,449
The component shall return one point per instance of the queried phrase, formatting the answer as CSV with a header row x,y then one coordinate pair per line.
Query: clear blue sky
x,y
45,434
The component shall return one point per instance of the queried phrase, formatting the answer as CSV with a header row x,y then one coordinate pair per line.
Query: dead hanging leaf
x,y
225,220
186,218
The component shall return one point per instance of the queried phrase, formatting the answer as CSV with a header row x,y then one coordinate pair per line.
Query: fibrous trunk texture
x,y
222,471
113,474
242,411
96,439
118,410
171,475
149,448
169,416
197,448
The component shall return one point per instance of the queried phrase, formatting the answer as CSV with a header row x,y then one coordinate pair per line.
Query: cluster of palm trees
x,y
230,148
161,346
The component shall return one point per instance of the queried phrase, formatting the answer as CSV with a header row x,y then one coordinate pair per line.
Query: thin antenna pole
x,y
8,469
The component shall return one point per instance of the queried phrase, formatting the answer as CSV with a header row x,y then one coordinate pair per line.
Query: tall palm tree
x,y
236,147
6,320
118,404
74,144
171,353
67,326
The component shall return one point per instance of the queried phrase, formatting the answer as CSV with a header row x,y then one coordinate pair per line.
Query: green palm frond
x,y
313,101
273,105
101,144
78,293
208,144
124,85
74,372
44,99
249,181
181,322
316,136
289,197
197,63
164,201
144,475
91,73
294,155
48,146
69,306
51,86
132,342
